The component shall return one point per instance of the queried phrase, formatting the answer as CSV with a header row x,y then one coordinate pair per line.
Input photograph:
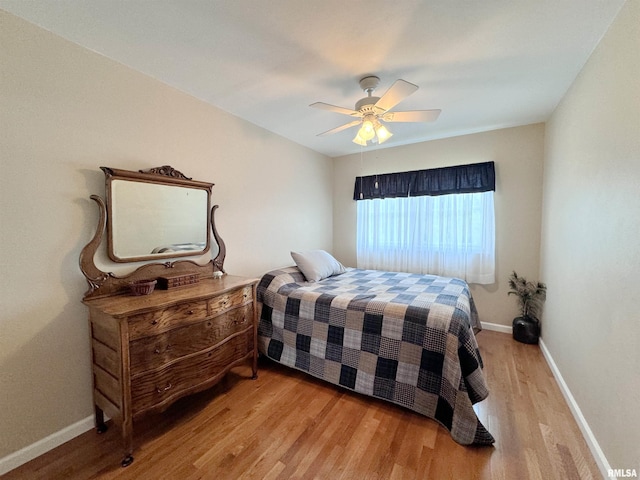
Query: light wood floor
x,y
289,425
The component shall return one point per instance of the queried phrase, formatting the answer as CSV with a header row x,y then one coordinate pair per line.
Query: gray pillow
x,y
317,264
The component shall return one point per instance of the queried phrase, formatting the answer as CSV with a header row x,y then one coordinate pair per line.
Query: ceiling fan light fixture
x,y
359,140
382,133
367,131
372,131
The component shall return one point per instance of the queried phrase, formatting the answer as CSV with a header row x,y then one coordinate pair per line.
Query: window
x,y
447,234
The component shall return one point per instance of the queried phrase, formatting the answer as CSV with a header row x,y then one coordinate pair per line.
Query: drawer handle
x,y
240,322
190,312
154,322
160,390
158,350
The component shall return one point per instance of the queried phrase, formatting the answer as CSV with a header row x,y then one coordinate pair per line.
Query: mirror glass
x,y
148,219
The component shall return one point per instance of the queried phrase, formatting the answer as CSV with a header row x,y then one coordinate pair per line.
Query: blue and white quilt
x,y
405,338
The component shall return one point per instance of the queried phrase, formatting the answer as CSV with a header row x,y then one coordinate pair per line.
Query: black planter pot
x,y
526,330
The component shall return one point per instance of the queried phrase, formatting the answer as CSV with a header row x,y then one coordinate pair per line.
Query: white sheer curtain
x,y
449,235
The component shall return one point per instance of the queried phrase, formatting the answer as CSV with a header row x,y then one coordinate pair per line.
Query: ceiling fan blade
x,y
340,128
333,108
412,116
400,90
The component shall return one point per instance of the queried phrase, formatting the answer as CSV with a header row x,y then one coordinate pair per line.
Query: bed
x,y
404,338
180,247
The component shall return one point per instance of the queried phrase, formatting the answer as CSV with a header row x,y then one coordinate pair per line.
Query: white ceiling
x,y
486,64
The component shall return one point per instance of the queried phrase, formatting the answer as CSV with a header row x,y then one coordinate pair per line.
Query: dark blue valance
x,y
477,177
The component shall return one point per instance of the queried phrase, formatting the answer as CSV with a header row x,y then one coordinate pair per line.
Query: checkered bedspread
x,y
401,337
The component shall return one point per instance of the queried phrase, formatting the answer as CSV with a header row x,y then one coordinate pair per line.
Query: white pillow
x,y
317,264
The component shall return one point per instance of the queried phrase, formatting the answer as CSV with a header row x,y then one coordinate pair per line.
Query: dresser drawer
x,y
159,388
151,352
229,300
153,323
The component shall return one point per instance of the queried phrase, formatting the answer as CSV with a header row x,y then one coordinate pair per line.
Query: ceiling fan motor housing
x,y
365,105
368,85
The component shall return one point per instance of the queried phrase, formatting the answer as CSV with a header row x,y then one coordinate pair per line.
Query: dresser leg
x,y
127,440
254,367
101,427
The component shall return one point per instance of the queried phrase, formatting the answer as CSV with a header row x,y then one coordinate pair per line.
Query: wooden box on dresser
x,y
148,351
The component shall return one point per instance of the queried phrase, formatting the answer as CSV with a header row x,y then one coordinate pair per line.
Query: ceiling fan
x,y
372,111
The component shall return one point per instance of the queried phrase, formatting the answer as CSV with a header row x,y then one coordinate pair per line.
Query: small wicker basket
x,y
142,287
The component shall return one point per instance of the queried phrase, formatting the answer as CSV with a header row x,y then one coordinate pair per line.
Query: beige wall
x,y
590,255
518,155
64,112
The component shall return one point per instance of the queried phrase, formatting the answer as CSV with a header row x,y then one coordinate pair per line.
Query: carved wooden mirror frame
x,y
156,214
103,284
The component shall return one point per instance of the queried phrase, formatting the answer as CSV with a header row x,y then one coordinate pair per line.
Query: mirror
x,y
155,214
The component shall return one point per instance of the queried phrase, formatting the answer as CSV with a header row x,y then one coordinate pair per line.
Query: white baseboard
x,y
54,440
588,435
496,327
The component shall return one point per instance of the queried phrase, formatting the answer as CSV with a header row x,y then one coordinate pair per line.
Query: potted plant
x,y
531,297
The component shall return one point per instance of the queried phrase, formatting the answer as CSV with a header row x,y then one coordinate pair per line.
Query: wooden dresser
x,y
148,351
